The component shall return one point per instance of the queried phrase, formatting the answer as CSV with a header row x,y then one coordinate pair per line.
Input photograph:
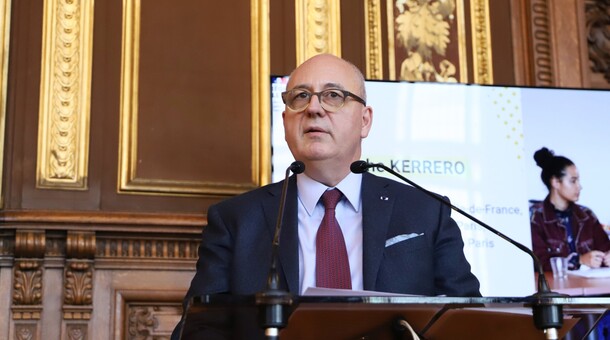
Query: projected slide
x,y
475,144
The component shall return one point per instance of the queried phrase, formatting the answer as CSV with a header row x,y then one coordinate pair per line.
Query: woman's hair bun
x,y
544,157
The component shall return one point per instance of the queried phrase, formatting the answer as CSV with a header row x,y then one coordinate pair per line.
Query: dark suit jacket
x,y
235,252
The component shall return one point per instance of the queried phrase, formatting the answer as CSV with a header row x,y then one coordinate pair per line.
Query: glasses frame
x,y
345,93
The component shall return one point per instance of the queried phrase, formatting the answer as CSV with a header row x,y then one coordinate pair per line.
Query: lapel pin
x,y
383,198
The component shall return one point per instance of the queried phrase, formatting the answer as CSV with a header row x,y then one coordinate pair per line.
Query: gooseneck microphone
x,y
274,301
547,317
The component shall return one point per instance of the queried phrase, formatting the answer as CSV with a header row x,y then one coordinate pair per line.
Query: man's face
x,y
314,134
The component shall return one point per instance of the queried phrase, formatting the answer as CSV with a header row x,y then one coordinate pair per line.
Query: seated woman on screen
x,y
560,227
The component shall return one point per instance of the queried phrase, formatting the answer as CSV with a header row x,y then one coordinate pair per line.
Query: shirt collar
x,y
310,191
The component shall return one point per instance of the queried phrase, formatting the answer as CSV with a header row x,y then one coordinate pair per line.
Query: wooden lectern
x,y
433,318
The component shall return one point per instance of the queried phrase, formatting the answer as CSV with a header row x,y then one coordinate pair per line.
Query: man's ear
x,y
367,121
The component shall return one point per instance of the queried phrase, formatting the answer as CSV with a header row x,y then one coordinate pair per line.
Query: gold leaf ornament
x,y
423,29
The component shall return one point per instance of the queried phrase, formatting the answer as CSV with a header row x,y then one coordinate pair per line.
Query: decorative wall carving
x,y
146,248
28,274
146,321
318,28
141,322
372,27
542,43
427,41
78,282
30,243
598,36
481,42
76,331
27,288
422,31
25,331
80,244
63,141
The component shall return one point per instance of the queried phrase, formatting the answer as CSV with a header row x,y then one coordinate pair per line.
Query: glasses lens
x,y
332,100
297,99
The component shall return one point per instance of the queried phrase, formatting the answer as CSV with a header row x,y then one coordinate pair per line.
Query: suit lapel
x,y
377,207
288,265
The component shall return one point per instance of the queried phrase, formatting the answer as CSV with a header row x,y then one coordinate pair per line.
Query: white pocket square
x,y
400,238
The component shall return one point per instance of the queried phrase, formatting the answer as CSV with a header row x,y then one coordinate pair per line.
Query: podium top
x,y
224,316
565,300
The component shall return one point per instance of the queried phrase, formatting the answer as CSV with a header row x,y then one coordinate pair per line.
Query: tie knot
x,y
330,198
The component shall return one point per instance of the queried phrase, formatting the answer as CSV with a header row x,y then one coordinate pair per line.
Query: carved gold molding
x,y
391,40
5,20
372,27
481,42
65,91
261,96
128,142
318,28
424,44
542,44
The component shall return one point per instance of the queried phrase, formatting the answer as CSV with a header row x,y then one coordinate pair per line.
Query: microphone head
x,y
359,167
297,167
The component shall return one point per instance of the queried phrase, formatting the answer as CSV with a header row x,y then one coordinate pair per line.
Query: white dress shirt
x,y
349,215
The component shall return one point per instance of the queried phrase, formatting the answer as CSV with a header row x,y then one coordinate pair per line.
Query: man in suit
x,y
397,239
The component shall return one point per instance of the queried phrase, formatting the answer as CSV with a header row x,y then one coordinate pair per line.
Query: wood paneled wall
x,y
124,120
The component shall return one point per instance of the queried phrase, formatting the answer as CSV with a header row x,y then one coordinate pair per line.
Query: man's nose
x,y
315,105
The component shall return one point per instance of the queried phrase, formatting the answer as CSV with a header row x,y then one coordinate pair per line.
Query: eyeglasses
x,y
331,100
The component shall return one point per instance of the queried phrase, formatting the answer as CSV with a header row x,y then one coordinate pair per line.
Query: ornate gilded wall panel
x,y
5,20
131,179
427,41
481,42
318,28
65,91
261,96
372,27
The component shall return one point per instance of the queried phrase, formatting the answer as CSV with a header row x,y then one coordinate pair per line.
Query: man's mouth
x,y
314,130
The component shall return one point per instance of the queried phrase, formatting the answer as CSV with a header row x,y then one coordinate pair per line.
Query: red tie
x,y
332,265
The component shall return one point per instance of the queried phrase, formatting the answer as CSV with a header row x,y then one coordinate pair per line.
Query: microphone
x,y
547,318
273,301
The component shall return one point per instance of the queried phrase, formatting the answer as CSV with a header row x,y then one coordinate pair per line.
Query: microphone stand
x,y
548,317
274,302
